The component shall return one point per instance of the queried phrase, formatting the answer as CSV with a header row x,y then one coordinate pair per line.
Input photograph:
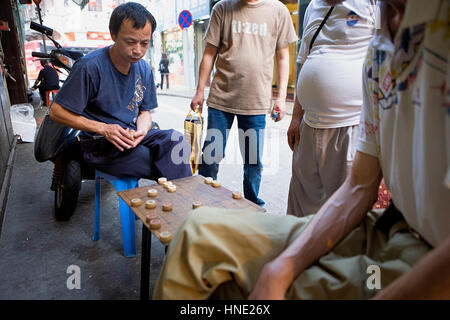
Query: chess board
x,y
189,190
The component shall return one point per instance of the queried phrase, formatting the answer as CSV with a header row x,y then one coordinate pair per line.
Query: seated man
x,y
343,252
47,80
109,94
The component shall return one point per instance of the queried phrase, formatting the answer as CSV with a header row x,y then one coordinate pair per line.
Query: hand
x,y
293,133
280,106
271,283
197,101
118,136
138,136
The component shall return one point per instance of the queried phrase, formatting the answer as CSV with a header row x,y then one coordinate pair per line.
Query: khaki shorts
x,y
218,253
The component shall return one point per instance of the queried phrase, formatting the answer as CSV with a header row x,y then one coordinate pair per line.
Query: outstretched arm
x,y
343,211
36,83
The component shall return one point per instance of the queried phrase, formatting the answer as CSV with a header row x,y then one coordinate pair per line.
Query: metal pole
x,y
38,9
146,252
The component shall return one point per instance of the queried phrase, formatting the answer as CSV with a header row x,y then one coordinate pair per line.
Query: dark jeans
x,y
251,142
167,80
162,153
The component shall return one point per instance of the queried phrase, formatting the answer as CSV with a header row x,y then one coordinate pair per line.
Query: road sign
x,y
184,19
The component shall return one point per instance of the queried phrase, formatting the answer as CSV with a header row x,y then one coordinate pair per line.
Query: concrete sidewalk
x,y
185,92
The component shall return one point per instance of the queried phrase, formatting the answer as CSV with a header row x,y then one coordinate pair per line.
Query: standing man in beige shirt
x,y
244,36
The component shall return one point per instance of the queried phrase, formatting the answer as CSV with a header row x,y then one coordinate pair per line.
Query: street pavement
x,y
38,253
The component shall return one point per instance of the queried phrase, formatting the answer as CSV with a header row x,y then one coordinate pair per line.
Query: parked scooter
x,y
61,144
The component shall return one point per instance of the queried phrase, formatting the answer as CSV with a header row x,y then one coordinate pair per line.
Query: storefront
x,y
200,27
185,47
172,44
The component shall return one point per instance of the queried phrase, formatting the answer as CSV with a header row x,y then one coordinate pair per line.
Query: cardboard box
x,y
26,130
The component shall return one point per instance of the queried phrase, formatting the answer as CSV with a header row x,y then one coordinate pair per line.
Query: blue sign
x,y
185,19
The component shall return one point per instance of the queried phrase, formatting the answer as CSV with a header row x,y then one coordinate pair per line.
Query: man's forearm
x,y
75,121
144,121
343,211
282,57
298,112
429,279
206,66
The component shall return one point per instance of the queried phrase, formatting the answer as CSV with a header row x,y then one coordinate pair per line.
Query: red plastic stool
x,y
53,92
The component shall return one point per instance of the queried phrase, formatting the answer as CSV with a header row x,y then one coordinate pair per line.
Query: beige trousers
x,y
218,253
320,164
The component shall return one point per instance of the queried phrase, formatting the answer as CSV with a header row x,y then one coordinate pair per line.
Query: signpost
x,y
185,19
38,9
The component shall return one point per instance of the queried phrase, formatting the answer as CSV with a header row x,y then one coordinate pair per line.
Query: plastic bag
x,y
23,122
193,130
23,112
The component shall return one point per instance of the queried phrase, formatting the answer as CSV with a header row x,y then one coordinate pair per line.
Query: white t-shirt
x,y
405,119
329,84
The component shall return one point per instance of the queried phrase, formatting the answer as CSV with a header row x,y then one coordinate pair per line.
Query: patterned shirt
x,y
405,119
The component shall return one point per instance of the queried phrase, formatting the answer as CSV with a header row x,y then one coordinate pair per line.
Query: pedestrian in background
x,y
164,70
244,36
324,124
47,80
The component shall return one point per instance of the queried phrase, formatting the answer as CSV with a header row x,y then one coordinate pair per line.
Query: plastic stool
x,y
127,216
53,92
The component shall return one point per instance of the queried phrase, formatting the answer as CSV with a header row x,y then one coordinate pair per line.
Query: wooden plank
x,y
189,189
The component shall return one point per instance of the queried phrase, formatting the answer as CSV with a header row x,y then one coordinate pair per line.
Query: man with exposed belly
x,y
324,125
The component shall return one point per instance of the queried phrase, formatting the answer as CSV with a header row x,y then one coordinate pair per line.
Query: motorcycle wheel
x,y
67,190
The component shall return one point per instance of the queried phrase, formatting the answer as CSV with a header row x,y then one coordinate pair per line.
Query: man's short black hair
x,y
133,11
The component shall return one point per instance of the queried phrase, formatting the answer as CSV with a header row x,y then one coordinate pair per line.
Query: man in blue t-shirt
x,y
109,94
47,80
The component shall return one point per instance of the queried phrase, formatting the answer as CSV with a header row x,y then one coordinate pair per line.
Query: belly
x,y
328,82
